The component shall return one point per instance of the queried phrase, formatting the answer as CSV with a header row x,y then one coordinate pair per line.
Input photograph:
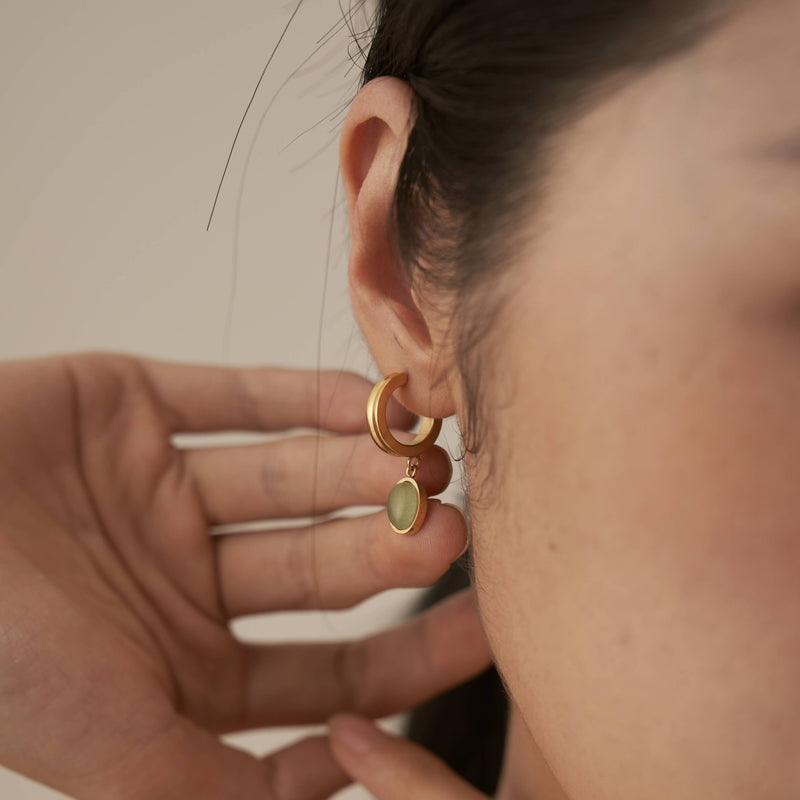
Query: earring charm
x,y
407,504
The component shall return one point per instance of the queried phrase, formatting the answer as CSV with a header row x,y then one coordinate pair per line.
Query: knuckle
x,y
274,472
337,458
351,673
301,567
245,400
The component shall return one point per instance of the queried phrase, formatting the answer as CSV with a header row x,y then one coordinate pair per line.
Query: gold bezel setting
x,y
422,509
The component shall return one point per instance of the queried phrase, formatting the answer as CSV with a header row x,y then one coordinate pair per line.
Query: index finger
x,y
197,398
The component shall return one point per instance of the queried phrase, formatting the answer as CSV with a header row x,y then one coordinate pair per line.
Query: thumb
x,y
392,768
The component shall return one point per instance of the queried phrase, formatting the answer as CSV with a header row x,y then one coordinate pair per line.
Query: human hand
x,y
117,666
392,768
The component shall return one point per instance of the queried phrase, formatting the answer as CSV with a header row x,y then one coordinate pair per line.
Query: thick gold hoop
x,y
378,427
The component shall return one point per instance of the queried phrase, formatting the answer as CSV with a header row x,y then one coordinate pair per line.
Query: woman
x,y
598,204
572,226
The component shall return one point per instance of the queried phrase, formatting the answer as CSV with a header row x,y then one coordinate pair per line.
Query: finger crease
x,y
301,567
350,671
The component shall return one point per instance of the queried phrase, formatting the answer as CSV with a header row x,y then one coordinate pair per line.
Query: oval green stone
x,y
403,505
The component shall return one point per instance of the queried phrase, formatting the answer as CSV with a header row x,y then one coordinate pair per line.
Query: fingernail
x,y
355,733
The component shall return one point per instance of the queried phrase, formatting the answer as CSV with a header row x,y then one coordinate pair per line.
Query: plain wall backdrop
x,y
116,121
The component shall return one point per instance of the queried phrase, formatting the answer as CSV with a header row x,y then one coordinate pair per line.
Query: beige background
x,y
116,120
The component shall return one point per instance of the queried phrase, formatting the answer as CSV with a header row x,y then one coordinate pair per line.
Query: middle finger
x,y
302,476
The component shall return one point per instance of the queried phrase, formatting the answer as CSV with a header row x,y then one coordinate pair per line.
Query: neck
x,y
526,775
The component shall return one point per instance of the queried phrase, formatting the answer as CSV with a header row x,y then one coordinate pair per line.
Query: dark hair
x,y
465,726
494,82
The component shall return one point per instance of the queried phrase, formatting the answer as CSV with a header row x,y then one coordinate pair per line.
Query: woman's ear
x,y
400,332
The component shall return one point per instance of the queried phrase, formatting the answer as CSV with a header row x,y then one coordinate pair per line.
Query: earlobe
x,y
397,329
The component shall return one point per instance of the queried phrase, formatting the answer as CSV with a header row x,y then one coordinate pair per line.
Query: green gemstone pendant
x,y
407,504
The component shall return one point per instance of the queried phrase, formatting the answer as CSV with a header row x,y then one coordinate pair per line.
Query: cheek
x,y
638,555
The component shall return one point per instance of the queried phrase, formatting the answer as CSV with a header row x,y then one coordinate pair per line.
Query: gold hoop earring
x,y
407,504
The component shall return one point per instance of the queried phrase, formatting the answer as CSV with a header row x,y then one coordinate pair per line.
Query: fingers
x,y
301,476
210,398
385,673
187,761
335,564
303,770
392,768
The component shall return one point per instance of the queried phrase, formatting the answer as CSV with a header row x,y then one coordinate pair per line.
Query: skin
x,y
118,669
637,542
